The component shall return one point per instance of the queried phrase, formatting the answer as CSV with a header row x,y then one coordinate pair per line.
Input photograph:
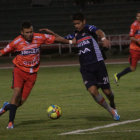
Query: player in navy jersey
x,y
92,67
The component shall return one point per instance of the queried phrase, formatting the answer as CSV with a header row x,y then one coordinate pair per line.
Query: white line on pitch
x,y
99,127
98,132
63,65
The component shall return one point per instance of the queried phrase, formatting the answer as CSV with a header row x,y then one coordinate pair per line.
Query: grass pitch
x,y
63,86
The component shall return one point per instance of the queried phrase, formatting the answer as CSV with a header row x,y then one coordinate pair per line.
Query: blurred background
x,y
112,16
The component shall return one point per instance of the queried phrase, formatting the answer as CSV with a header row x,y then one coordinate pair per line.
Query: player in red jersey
x,y
134,48
26,65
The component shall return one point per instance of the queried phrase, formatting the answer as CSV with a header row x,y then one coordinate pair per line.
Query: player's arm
x,y
101,35
58,38
9,48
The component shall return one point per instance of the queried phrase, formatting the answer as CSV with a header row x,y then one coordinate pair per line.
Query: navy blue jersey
x,y
89,51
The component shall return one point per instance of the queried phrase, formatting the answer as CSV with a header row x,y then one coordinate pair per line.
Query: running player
x,y
26,65
134,48
92,65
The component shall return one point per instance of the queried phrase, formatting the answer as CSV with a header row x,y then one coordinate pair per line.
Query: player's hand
x,y
47,30
106,43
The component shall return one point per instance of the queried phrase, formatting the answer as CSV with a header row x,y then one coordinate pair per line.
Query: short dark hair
x,y
138,11
26,24
78,16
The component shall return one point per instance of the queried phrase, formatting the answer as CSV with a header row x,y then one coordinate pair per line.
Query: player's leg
x,y
19,96
89,76
104,84
101,101
18,82
12,106
99,98
93,75
28,85
109,94
133,59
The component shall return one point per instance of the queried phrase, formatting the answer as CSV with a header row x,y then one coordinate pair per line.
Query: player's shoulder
x,y
17,40
38,35
135,23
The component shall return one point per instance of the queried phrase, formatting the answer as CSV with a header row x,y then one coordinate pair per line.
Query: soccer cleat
x,y
115,115
2,111
10,125
116,79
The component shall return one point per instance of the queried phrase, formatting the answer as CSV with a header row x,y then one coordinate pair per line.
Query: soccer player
x,y
26,65
92,67
134,48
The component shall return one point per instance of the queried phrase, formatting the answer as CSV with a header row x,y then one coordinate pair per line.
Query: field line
x,y
62,65
99,127
98,132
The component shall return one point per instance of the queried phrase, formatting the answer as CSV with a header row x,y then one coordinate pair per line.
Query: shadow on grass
x,y
31,122
93,118
98,118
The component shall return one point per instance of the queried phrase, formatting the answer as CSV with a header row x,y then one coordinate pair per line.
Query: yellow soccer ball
x,y
54,111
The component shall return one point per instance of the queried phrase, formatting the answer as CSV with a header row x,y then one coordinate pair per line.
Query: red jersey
x,y
135,32
28,58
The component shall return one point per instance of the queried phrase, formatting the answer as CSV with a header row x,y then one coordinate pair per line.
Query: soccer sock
x,y
12,108
101,101
12,113
111,99
125,71
7,107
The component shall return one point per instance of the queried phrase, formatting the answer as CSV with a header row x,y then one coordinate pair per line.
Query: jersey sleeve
x,y
91,28
9,48
132,30
69,36
49,39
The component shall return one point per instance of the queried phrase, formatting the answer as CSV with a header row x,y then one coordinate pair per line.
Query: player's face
x,y
138,17
78,24
27,33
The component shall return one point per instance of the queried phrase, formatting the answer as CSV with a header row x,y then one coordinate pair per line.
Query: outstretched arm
x,y
105,41
58,38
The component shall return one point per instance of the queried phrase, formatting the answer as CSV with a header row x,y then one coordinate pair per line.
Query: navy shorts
x,y
95,74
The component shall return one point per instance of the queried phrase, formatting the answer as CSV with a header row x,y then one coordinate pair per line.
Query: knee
x,y
93,91
107,91
133,69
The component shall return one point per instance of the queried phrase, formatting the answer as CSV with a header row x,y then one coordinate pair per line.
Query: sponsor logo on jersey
x,y
84,51
82,43
30,51
137,32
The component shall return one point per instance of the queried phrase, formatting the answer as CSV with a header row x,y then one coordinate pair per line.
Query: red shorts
x,y
134,57
23,80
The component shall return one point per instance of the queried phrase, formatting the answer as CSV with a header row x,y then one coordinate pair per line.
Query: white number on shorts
x,y
106,80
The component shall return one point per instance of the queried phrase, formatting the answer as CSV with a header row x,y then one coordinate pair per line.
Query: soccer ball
x,y
54,111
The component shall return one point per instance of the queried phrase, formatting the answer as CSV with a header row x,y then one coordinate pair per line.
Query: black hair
x,y
78,16
26,24
138,11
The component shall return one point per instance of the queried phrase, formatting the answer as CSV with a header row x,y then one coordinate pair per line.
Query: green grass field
x,y
63,86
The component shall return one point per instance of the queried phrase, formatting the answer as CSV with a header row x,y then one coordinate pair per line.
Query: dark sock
x,y
7,107
12,111
111,99
125,71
